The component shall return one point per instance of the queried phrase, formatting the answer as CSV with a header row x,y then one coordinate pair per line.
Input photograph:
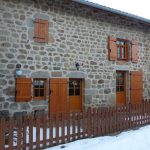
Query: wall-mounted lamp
x,y
18,70
77,65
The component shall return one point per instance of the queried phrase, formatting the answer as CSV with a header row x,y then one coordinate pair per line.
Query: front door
x,y
121,87
58,95
75,95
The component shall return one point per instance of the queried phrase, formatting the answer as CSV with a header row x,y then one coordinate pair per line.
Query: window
x,y
122,49
41,31
119,49
120,82
39,89
74,87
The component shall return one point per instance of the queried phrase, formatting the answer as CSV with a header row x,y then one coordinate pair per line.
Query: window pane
x,y
71,92
41,83
77,92
39,88
36,84
122,49
121,82
120,75
121,88
117,82
123,52
77,84
74,87
36,92
41,92
118,52
70,84
117,88
121,43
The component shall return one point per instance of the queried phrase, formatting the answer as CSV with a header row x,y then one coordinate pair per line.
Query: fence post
x,y
99,121
107,117
73,125
89,122
24,123
113,119
95,122
140,114
129,107
38,130
44,128
63,127
19,138
11,128
83,123
57,128
148,110
103,120
68,127
116,118
2,133
31,132
78,124
51,129
143,113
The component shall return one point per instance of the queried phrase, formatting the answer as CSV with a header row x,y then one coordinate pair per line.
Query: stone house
x,y
68,55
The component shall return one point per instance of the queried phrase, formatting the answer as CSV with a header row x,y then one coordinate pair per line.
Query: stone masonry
x,y
77,33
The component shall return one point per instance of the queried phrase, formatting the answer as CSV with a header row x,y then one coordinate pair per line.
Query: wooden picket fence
x,y
41,131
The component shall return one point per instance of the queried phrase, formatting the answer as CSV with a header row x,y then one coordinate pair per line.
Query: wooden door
x,y
58,95
75,95
121,88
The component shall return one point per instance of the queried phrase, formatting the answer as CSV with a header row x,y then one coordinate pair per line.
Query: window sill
x,y
122,60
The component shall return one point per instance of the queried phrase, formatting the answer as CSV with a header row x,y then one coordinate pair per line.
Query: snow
x,y
129,140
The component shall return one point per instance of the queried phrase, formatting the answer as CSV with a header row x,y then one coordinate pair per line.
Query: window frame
x,y
126,48
75,88
39,97
123,78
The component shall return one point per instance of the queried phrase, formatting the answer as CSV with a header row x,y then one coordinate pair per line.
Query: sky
x,y
137,7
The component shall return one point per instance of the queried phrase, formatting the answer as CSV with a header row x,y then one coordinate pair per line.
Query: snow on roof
x,y
112,10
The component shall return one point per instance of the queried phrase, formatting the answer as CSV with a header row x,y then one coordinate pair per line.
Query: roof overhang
x,y
94,5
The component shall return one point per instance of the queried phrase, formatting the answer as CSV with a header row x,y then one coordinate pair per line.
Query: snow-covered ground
x,y
129,140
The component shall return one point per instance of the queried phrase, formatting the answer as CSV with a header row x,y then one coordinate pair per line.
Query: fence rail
x,y
40,131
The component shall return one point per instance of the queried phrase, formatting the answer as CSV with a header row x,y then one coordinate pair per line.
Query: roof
x,y
112,10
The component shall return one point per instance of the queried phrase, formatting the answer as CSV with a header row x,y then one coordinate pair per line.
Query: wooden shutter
x,y
134,51
136,86
112,48
58,95
41,31
23,89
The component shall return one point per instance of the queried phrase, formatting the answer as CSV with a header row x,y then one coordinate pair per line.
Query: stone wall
x,y
77,33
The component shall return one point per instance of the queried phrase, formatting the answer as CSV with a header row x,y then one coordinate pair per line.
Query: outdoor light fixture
x,y
77,65
18,70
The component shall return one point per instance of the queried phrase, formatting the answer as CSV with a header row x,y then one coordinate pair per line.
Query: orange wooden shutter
x,y
134,51
41,31
112,48
23,89
58,95
136,85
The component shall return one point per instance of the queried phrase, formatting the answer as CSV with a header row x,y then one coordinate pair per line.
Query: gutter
x,y
112,10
